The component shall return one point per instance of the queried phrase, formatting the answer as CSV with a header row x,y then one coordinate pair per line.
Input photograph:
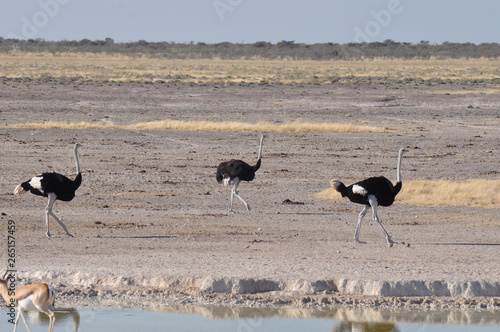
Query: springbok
x,y
39,296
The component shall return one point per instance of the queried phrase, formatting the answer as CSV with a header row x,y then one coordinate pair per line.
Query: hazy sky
x,y
248,21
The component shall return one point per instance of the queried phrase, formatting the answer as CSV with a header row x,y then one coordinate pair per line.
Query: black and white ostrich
x,y
372,192
236,171
54,186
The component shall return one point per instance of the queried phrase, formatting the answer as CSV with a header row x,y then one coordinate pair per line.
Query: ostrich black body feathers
x,y
236,169
381,187
56,183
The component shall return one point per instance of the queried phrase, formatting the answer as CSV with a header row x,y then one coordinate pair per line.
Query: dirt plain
x,y
151,225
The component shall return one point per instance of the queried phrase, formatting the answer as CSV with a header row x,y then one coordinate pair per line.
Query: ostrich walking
x,y
54,186
372,192
236,171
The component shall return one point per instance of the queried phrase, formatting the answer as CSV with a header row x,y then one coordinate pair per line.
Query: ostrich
x,y
235,171
372,192
54,186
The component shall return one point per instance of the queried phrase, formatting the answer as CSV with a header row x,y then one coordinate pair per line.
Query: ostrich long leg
x,y
235,192
373,202
231,199
61,223
48,211
360,220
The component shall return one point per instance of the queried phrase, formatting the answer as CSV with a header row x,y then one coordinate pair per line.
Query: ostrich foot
x,y
248,207
389,241
358,241
48,234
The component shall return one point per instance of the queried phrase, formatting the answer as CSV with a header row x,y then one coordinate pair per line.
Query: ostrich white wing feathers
x,y
359,190
36,182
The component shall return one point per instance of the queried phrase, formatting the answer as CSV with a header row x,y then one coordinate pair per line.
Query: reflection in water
x,y
365,327
222,319
345,314
69,317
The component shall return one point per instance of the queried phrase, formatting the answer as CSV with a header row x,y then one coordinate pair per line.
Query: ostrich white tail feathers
x,y
20,190
226,181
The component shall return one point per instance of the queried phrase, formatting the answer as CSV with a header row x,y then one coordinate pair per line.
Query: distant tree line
x,y
264,50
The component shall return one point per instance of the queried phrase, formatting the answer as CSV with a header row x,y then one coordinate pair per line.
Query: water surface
x,y
225,319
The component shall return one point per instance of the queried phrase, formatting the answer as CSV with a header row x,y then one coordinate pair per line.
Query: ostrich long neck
x,y
257,165
260,147
399,165
76,159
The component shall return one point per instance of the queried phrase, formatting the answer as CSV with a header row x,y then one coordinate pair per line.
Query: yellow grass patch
x,y
472,193
289,127
120,68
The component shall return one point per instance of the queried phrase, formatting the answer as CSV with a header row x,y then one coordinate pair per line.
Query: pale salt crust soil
x,y
151,224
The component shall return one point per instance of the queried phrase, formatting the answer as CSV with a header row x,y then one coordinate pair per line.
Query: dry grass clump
x,y
59,125
472,193
289,127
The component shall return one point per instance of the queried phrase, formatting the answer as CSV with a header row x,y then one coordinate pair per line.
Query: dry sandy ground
x,y
150,222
